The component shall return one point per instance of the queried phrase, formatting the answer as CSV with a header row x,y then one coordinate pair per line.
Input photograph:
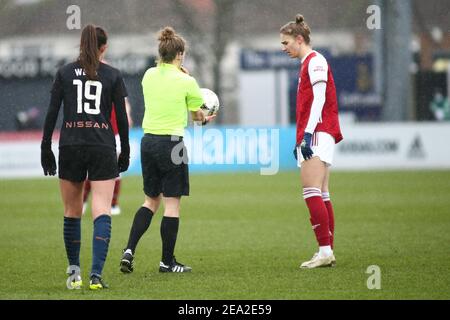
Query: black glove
x,y
305,146
48,161
295,152
124,161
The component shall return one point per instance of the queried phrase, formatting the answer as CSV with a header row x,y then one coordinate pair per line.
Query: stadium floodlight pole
x,y
398,58
377,50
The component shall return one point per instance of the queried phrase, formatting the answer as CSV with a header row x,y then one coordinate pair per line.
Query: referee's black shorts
x,y
164,166
97,163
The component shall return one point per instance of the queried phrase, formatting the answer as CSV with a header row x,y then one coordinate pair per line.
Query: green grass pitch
x,y
245,236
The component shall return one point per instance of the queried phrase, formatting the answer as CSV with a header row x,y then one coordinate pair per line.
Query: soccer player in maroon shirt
x,y
115,208
317,133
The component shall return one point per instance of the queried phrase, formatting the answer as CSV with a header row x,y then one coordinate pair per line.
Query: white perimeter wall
x,y
377,146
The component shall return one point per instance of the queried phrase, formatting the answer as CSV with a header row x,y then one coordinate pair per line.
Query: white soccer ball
x,y
211,100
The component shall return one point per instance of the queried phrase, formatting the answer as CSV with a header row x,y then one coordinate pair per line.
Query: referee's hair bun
x,y
299,19
166,34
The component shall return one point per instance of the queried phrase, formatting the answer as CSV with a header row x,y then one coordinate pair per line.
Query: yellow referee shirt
x,y
168,95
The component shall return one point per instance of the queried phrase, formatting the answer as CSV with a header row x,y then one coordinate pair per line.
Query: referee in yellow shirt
x,y
169,93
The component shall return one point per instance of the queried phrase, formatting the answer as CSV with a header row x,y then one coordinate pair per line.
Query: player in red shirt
x,y
115,209
317,133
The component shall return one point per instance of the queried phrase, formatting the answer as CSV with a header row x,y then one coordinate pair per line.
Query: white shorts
x,y
118,150
117,144
322,147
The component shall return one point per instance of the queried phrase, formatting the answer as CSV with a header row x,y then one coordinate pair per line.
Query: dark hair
x,y
170,44
299,27
92,39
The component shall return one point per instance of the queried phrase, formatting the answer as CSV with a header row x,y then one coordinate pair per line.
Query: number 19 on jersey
x,y
97,86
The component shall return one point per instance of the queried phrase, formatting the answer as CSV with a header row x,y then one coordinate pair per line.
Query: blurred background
x,y
391,63
390,60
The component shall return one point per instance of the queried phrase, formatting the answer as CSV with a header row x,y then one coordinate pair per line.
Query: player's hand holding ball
x,y
211,105
208,119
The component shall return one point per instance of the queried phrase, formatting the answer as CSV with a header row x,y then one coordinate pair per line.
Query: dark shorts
x,y
164,166
98,163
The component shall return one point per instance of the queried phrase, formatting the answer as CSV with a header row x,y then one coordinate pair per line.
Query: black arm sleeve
x,y
119,94
52,113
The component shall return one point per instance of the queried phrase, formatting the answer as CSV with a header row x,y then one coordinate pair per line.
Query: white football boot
x,y
115,210
318,261
74,280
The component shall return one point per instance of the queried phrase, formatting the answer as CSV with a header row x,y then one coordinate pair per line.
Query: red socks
x,y
319,215
115,199
327,201
86,190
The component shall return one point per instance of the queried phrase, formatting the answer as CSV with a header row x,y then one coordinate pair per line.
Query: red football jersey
x,y
315,69
113,120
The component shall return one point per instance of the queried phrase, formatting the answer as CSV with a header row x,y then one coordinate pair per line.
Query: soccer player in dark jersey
x,y
87,147
318,131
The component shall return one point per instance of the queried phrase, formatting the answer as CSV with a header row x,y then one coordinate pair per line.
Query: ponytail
x,y
92,39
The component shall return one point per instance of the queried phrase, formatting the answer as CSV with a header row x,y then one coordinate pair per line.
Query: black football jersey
x,y
87,105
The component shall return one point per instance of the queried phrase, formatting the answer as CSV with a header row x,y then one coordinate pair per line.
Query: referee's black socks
x,y
169,232
141,222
